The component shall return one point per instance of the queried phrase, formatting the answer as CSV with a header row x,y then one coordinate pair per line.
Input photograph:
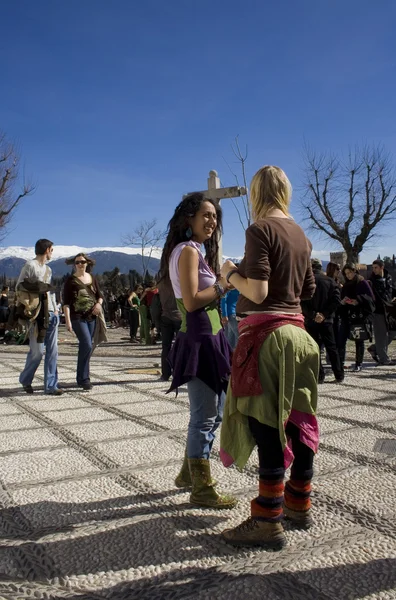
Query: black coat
x,y
325,300
360,290
383,290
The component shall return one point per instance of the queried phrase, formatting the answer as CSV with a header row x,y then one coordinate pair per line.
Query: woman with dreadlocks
x,y
201,354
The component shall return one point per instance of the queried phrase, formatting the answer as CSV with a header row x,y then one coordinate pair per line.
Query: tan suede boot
x,y
183,480
203,490
254,532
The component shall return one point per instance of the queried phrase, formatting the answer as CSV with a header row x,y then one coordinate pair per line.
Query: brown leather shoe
x,y
299,518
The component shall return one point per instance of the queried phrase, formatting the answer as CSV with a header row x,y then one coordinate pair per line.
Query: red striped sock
x,y
297,495
268,506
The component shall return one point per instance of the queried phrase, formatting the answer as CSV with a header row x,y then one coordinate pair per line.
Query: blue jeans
x,y
36,352
206,414
84,331
231,331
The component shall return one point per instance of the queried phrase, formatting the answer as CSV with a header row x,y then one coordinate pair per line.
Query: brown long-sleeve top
x,y
277,251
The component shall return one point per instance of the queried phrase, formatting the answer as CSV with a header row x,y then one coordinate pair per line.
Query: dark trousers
x,y
84,331
323,334
268,505
344,330
169,329
270,449
133,322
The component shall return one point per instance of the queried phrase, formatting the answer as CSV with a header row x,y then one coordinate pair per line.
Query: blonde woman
x,y
82,305
272,396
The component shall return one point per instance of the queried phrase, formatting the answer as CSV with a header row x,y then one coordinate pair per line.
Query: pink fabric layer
x,y
309,433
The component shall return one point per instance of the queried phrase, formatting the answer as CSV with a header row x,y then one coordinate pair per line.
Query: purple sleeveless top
x,y
201,348
206,277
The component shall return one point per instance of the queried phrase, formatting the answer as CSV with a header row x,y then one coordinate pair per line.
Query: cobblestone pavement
x,y
88,508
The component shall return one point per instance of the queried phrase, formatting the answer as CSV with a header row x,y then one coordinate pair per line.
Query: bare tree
x,y
241,157
146,237
349,201
11,189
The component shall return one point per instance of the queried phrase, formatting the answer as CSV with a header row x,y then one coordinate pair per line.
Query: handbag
x,y
358,333
390,314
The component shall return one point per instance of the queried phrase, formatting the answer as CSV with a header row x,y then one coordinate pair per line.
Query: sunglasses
x,y
80,262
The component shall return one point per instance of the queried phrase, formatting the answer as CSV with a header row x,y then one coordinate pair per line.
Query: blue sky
x,y
120,108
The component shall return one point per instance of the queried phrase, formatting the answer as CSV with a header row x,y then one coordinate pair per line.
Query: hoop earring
x,y
189,233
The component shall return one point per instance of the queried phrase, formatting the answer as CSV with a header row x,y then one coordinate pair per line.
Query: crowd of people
x,y
345,307
271,314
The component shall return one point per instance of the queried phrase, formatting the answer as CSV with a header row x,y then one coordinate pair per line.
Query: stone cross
x,y
215,192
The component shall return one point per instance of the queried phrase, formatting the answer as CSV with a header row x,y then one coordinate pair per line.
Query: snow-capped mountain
x,y
27,252
126,259
12,259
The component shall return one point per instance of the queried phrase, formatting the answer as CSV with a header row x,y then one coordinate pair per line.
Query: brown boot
x,y
301,519
203,490
183,480
253,532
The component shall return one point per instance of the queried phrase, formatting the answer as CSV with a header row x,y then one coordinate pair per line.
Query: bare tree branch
x,y
241,157
9,178
348,202
147,238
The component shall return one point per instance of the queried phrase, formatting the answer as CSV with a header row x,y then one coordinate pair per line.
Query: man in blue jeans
x,y
37,270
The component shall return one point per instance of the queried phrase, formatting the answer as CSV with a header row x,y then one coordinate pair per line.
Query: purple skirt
x,y
205,356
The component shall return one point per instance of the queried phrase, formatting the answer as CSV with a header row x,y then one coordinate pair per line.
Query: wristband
x,y
230,273
220,291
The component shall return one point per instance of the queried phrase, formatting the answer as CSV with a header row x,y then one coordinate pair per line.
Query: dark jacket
x,y
383,290
168,300
325,300
358,289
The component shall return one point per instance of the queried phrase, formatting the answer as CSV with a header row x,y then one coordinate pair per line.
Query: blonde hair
x,y
270,188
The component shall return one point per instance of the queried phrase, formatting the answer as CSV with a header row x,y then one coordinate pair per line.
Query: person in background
x,y
201,355
357,306
145,324
382,285
319,313
113,309
4,309
170,323
82,305
37,270
124,305
333,271
229,316
134,304
145,321
272,395
155,314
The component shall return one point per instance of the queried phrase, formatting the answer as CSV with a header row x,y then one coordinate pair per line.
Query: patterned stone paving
x,y
88,509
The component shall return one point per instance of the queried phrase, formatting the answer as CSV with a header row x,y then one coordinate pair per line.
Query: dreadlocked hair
x,y
177,228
